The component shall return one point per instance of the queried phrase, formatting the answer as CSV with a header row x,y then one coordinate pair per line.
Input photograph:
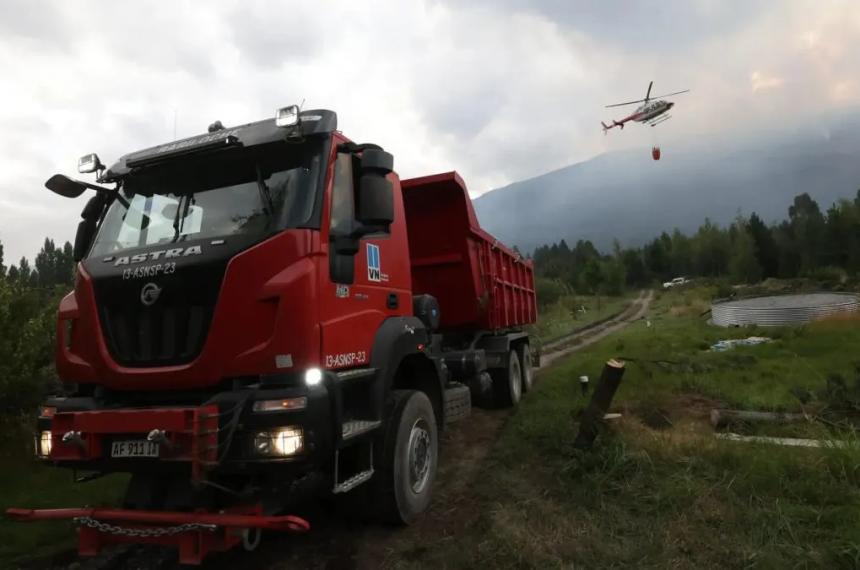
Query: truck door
x,y
351,312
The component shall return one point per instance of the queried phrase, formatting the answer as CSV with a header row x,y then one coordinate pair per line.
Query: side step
x,y
355,428
360,477
353,482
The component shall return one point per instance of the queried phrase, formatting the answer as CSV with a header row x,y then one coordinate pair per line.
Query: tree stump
x,y
601,399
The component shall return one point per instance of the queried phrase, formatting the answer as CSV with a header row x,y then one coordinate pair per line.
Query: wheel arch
x,y
398,356
417,372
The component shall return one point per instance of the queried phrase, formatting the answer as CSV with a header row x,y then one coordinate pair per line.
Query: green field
x,y
659,491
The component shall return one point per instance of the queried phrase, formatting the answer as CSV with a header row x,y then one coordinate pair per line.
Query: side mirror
x,y
84,237
87,226
65,186
93,209
89,163
375,192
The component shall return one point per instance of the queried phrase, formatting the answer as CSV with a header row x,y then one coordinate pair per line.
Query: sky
x,y
499,90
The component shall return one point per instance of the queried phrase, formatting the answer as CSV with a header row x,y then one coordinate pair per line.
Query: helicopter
x,y
651,111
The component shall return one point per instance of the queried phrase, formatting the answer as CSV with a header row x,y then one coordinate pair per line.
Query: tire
x,y
526,364
508,382
409,458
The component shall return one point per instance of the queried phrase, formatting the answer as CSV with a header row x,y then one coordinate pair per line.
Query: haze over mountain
x,y
626,195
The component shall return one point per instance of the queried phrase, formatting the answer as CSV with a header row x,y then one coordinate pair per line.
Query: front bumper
x,y
215,436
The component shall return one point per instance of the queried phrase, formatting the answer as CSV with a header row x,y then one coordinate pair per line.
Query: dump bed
x,y
480,284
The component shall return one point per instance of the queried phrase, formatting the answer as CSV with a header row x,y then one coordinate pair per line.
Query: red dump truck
x,y
264,314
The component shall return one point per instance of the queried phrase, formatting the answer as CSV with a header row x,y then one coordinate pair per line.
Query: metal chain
x,y
142,532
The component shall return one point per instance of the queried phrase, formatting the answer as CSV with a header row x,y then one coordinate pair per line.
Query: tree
x,y
54,266
549,291
807,225
766,251
657,257
591,277
24,273
744,267
711,247
680,254
841,243
612,276
634,267
789,259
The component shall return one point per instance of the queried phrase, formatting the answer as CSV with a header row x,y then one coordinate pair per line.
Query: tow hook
x,y
159,436
251,538
74,438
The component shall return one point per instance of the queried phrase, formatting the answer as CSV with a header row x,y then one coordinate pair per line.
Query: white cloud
x,y
496,90
760,81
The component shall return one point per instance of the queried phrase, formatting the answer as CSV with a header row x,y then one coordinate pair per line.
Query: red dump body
x,y
480,284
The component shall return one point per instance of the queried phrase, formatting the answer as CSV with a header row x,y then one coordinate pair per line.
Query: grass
x,y
560,318
24,482
658,490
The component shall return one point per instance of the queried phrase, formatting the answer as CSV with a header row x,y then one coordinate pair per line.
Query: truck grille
x,y
156,336
172,330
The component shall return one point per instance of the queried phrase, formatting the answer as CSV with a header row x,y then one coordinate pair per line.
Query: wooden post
x,y
601,399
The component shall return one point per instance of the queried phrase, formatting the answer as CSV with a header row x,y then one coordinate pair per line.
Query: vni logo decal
x,y
374,271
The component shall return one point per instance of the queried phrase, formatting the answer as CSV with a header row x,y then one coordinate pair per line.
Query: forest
x,y
822,245
29,296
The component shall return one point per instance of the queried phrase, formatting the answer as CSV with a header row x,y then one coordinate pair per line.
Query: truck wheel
x,y
508,382
526,364
409,458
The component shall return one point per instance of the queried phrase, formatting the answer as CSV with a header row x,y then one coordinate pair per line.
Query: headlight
x,y
287,116
281,442
43,444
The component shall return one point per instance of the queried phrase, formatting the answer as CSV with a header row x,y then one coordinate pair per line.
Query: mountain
x,y
626,195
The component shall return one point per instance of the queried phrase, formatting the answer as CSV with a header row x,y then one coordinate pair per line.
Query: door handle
x,y
393,301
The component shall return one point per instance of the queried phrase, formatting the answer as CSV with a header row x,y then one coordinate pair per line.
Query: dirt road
x,y
337,542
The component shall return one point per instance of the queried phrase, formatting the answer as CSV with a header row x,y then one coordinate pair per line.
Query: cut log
x,y
723,418
788,441
601,399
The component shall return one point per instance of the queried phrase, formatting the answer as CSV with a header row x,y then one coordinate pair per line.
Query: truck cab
x,y
259,316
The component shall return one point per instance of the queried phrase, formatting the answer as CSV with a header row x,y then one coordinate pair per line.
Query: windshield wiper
x,y
265,194
179,221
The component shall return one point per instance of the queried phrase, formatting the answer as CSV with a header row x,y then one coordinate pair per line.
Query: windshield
x,y
240,191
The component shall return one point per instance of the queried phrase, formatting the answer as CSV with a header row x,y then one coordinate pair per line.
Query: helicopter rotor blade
x,y
670,94
627,103
648,94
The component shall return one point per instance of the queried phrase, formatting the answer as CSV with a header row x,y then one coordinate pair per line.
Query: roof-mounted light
x,y
287,116
89,163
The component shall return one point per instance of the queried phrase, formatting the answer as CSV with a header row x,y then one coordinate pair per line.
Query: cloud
x,y
760,81
499,90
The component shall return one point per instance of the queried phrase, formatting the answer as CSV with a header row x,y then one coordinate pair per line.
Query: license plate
x,y
134,448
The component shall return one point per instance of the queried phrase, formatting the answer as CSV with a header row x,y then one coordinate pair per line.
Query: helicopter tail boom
x,y
612,126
